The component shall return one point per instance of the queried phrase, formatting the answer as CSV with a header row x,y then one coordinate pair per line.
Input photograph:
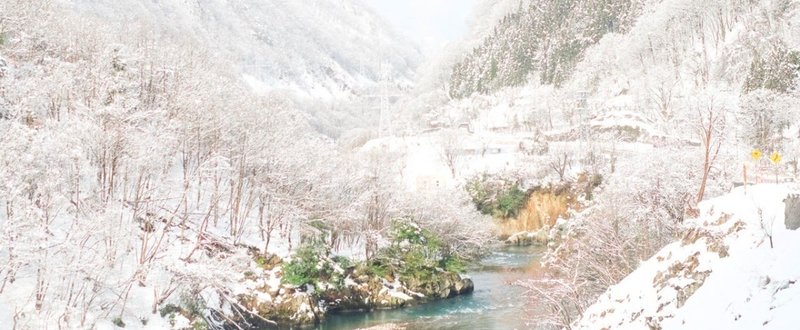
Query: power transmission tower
x,y
385,80
386,90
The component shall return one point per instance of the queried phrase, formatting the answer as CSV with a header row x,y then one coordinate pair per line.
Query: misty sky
x,y
431,23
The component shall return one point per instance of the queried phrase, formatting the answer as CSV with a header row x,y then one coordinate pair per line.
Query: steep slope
x,y
545,37
723,273
665,61
313,47
333,57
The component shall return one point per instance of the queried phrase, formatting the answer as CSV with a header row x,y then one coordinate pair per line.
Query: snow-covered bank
x,y
722,274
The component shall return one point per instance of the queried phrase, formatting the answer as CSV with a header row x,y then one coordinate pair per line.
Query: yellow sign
x,y
775,158
756,154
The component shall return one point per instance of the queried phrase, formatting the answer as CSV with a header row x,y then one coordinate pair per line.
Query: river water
x,y
494,305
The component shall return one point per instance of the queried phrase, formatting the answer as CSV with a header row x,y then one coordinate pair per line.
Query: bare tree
x,y
662,94
450,149
709,128
560,163
767,225
378,202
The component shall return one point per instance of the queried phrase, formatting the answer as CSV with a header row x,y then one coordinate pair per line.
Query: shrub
x,y
380,266
305,267
478,189
261,261
343,262
191,307
417,265
194,305
313,265
406,230
500,198
169,309
592,181
418,252
511,201
199,324
453,264
118,322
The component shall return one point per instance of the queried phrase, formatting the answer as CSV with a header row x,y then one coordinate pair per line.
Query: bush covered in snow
x,y
420,252
311,264
501,198
414,254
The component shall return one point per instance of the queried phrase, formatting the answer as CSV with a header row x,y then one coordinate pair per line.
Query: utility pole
x,y
582,106
384,121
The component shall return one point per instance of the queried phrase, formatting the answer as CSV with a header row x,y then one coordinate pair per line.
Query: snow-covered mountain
x,y
320,47
334,58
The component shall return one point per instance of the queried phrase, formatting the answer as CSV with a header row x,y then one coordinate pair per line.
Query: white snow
x,y
400,295
751,286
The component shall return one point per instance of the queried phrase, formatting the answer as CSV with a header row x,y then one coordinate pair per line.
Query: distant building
x,y
429,182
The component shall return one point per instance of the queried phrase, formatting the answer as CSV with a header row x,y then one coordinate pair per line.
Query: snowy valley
x,y
304,164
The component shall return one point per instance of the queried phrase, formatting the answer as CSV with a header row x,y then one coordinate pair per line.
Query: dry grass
x,y
542,210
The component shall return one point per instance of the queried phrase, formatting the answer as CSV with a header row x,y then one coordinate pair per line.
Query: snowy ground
x,y
721,275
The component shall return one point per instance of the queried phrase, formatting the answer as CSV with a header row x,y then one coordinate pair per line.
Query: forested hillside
x,y
543,40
